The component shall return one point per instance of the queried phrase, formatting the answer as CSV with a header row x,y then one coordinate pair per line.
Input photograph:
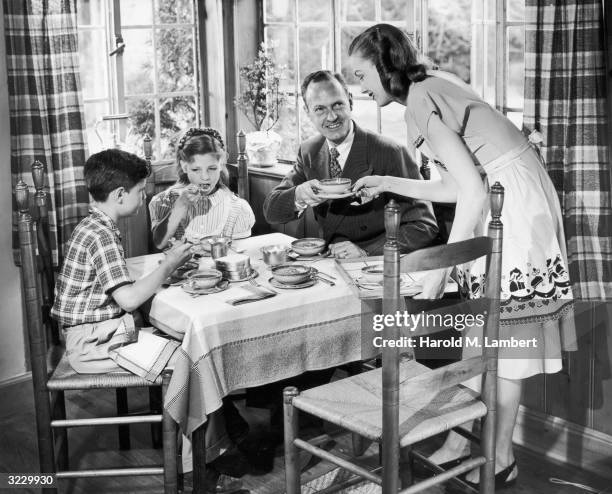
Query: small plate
x,y
254,274
220,287
341,195
285,286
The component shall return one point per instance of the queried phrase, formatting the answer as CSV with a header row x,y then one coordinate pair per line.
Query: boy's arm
x,y
130,297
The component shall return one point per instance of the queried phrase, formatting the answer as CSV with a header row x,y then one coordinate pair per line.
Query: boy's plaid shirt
x,y
94,266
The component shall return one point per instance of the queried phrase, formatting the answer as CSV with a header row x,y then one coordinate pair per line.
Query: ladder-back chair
x,y
52,376
406,402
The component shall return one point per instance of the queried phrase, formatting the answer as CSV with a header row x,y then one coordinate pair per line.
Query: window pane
x,y
392,122
138,61
516,10
287,128
394,10
307,128
175,114
281,39
90,12
347,34
491,65
136,12
516,66
365,113
102,139
314,10
93,63
450,36
477,70
516,118
173,11
142,118
490,9
315,50
175,60
279,10
356,10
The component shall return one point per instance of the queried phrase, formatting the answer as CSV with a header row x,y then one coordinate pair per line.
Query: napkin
x,y
260,295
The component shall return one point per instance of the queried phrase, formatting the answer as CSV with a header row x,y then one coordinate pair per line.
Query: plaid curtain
x,y
565,100
46,108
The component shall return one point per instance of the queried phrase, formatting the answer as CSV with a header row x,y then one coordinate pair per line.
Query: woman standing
x,y
473,145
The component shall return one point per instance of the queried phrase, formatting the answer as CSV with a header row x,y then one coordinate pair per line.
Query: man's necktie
x,y
334,166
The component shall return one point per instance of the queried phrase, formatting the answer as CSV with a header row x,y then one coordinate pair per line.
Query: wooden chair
x,y
406,402
52,376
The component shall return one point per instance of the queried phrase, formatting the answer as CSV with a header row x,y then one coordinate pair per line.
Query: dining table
x,y
227,347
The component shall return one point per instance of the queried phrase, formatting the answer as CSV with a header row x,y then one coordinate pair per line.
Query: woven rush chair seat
x,y
65,378
355,403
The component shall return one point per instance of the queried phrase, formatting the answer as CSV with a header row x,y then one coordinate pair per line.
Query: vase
x,y
262,147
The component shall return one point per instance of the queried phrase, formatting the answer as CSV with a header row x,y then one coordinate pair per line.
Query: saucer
x,y
298,257
337,195
219,287
254,274
305,284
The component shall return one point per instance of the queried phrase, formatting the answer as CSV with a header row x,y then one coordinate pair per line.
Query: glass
x,y
490,74
282,40
365,113
347,34
477,69
515,10
279,11
394,10
136,12
357,10
175,59
93,112
173,11
315,50
93,63
392,123
175,114
450,36
138,61
142,116
515,81
286,127
314,10
91,13
516,118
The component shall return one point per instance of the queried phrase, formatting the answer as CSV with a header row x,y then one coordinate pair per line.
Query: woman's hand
x,y
371,186
186,198
433,284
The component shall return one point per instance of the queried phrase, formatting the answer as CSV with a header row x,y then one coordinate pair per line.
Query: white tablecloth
x,y
227,347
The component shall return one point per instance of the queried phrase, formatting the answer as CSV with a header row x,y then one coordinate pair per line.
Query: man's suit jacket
x,y
370,154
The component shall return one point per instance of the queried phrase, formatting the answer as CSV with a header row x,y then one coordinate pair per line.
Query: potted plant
x,y
261,101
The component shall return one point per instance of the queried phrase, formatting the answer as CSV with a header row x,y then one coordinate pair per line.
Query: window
x,y
150,86
461,38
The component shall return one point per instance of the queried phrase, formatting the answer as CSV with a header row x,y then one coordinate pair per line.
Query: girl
x,y
200,203
473,146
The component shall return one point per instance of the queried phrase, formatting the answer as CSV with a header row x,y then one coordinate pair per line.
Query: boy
x,y
95,294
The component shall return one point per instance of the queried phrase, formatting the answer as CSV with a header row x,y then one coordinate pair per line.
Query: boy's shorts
x,y
115,345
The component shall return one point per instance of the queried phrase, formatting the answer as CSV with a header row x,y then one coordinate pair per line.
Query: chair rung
x,y
467,434
110,472
466,466
142,419
341,462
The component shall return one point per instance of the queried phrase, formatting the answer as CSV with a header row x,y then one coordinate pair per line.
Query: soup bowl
x,y
207,278
309,246
291,274
373,274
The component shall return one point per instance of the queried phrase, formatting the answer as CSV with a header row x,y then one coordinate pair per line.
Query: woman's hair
x,y
201,141
395,57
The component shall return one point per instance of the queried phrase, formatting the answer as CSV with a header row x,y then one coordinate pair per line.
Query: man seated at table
x,y
343,149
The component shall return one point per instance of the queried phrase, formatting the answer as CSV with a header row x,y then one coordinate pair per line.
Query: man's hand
x,y
346,250
178,254
306,194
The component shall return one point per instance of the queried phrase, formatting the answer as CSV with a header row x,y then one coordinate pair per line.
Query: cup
x,y
274,254
218,248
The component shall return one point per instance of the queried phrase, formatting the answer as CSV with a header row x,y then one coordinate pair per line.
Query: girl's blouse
x,y
221,212
484,130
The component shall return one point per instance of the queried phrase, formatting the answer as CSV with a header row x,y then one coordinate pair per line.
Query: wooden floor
x,y
99,448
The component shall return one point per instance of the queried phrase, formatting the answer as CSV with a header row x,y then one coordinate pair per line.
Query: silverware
x,y
254,282
324,280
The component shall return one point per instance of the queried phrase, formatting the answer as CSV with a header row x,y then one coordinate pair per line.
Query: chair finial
x,y
38,175
147,147
22,195
497,202
241,141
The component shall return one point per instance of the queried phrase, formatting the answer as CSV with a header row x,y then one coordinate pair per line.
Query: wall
x,y
12,346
